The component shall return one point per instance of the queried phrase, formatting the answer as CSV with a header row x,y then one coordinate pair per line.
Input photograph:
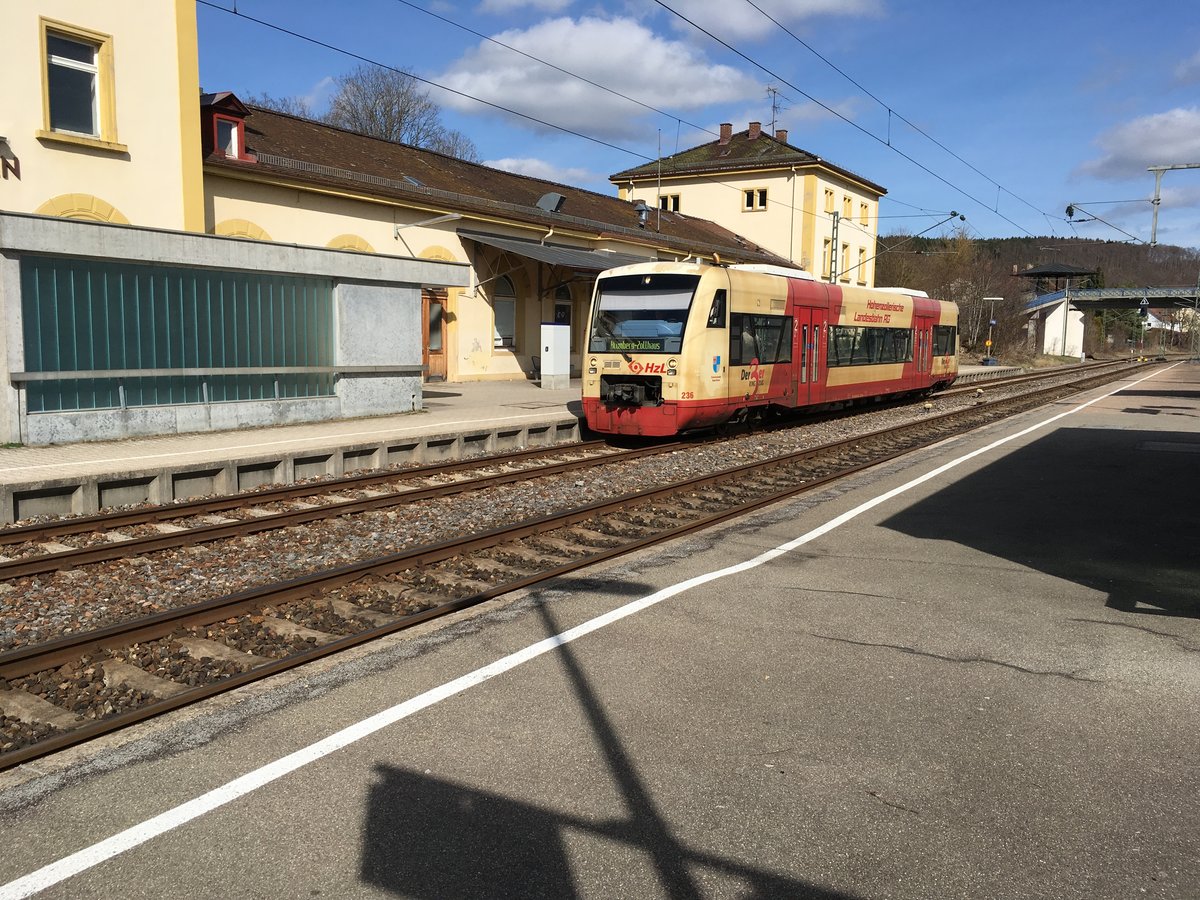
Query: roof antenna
x,y
776,105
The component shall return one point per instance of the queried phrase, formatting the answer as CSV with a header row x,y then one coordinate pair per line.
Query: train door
x,y
922,350
806,360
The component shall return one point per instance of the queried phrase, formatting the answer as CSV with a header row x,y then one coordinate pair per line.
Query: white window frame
x,y
91,68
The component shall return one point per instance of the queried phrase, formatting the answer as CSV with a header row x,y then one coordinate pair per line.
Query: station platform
x,y
969,672
458,420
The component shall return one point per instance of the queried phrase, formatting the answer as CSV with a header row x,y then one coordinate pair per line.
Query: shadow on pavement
x,y
1110,509
426,837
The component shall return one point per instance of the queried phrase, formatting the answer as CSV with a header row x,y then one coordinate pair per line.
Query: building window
x,y
847,207
562,305
754,199
825,258
229,137
669,202
504,310
845,260
828,200
862,265
863,214
71,72
77,96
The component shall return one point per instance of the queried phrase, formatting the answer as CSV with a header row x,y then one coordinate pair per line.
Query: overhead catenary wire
x,y
551,65
441,87
843,118
369,61
892,112
679,120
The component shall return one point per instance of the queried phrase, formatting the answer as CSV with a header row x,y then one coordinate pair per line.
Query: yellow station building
x,y
420,266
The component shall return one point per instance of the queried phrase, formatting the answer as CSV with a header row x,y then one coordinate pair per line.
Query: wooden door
x,y
433,333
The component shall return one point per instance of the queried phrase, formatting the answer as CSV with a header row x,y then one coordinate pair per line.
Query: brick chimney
x,y
726,132
781,135
755,131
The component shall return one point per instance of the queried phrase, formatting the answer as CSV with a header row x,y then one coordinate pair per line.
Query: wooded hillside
x,y
966,270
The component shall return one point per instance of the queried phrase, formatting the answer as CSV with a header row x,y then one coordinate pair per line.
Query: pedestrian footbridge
x,y
1057,318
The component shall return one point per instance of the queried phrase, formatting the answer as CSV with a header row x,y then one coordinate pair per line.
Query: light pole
x,y
989,359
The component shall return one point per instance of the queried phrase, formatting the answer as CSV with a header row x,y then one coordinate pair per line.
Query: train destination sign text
x,y
628,345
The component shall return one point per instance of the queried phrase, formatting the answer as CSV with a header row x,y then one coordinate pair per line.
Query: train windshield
x,y
641,313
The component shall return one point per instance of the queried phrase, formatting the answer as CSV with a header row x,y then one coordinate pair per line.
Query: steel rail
x,y
123,518
16,662
1040,375
27,660
52,562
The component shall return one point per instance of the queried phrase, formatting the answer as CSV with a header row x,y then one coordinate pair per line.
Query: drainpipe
x,y
792,223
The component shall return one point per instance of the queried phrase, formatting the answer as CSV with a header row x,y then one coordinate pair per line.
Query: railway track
x,y
66,543
1040,375
70,690
39,548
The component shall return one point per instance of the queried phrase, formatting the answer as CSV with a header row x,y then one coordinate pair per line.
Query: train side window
x,y
856,345
765,339
944,340
716,315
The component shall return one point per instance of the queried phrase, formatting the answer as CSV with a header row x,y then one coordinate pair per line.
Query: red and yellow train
x,y
678,346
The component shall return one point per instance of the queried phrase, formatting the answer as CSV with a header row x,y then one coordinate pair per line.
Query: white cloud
x,y
539,168
506,6
1188,71
1156,140
318,96
619,53
737,20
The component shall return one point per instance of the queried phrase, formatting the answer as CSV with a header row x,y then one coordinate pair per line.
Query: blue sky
x,y
1034,105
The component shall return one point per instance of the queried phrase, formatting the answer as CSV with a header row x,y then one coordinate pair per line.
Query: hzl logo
x,y
650,368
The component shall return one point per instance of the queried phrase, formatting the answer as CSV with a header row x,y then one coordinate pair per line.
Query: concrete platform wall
x,y
95,492
377,312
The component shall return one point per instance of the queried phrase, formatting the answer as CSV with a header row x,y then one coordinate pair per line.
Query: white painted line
x,y
82,860
419,431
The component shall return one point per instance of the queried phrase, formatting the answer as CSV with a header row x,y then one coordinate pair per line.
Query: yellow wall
x,y
146,167
794,225
283,213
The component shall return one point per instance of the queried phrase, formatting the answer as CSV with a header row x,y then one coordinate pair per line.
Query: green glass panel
x,y
84,315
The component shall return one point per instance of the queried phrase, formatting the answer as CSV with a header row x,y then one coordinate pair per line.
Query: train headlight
x,y
593,362
671,364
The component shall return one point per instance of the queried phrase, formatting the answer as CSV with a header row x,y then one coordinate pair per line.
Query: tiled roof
x,y
740,152
304,151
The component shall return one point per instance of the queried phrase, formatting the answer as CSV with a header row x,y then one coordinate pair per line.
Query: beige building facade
x,y
818,216
113,129
87,134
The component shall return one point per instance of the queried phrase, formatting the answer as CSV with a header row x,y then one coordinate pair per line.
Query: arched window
x,y
504,309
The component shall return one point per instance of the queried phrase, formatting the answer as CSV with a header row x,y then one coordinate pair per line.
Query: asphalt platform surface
x,y
971,673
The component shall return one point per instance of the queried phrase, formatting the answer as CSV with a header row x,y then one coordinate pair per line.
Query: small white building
x,y
1056,327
